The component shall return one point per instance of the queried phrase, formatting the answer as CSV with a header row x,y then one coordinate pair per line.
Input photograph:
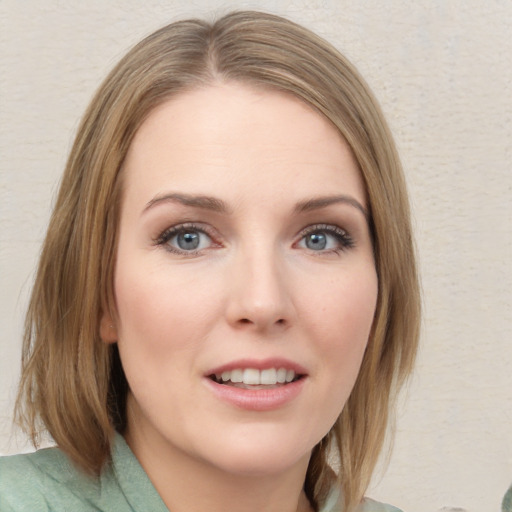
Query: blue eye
x,y
325,237
316,241
185,239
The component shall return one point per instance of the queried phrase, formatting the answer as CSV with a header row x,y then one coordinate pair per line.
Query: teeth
x,y
254,377
251,376
268,376
237,376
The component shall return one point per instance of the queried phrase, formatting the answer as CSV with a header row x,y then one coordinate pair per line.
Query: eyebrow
x,y
219,206
203,202
323,202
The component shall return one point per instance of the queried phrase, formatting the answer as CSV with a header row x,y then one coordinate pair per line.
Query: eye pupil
x,y
316,241
188,241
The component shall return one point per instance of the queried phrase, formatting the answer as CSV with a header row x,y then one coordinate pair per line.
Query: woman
x,y
227,299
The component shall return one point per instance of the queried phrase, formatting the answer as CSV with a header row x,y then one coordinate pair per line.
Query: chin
x,y
263,464
261,454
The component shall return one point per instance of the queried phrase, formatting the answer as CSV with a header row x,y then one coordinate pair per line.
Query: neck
x,y
188,484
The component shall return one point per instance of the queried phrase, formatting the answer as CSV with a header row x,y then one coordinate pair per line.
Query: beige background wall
x,y
443,72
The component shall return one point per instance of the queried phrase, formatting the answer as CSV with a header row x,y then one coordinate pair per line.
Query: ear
x,y
108,331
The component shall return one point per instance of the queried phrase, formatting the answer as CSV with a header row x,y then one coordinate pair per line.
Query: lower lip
x,y
257,399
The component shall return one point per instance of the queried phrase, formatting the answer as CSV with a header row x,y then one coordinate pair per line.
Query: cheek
x,y
344,325
162,320
161,327
158,302
345,307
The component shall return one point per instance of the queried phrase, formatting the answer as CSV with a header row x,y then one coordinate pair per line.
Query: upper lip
x,y
259,364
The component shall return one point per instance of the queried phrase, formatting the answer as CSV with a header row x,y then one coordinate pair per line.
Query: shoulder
x,y
369,505
506,505
43,481
47,481
335,500
22,481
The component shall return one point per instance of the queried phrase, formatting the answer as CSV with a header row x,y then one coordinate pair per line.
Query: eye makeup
x,y
192,239
324,238
187,239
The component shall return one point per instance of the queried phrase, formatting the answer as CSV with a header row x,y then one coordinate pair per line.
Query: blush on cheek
x,y
157,322
348,337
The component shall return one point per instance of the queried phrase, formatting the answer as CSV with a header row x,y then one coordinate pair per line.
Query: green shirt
x,y
46,481
506,505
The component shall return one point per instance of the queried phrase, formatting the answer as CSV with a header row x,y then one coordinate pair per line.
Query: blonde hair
x,y
72,383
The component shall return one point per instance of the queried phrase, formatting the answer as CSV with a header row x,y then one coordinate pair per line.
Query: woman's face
x,y
245,282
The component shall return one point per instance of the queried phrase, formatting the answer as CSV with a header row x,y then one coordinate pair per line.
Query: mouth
x,y
258,385
255,379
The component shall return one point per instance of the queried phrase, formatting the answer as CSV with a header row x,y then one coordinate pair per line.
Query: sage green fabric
x,y
46,481
506,505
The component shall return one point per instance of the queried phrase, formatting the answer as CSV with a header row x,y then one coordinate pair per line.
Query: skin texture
x,y
255,289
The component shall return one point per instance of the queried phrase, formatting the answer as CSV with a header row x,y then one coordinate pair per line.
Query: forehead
x,y
226,136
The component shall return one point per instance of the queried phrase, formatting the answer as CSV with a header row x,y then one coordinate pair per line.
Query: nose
x,y
259,296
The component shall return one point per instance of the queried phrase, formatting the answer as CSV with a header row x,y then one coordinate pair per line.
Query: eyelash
x,y
167,235
344,240
342,237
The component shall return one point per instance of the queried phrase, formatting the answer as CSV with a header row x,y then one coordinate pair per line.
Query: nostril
x,y
245,321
